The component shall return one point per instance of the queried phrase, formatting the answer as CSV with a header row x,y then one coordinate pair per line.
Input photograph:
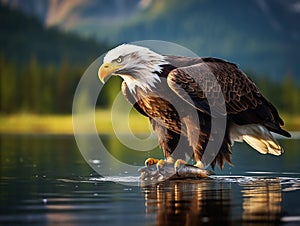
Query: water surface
x,y
45,180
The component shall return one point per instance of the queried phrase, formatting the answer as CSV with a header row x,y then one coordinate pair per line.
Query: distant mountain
x,y
23,36
76,14
263,36
259,35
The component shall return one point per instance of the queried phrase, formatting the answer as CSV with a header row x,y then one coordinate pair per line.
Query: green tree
x,y
290,98
48,95
8,84
31,86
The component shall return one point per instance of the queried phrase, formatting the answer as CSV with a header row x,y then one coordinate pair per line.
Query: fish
x,y
167,172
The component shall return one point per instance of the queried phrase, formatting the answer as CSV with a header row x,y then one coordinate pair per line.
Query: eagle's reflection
x,y
213,202
188,202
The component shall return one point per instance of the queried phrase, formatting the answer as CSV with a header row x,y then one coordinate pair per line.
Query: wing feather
x,y
221,80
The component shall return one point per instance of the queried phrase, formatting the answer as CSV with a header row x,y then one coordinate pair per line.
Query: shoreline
x,y
25,123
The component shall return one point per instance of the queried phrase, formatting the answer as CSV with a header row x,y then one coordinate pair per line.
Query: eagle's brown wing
x,y
229,90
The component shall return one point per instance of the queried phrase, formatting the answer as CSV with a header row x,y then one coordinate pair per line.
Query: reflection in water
x,y
211,202
189,203
45,181
261,201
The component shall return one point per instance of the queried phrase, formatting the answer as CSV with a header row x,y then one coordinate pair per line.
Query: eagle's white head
x,y
137,65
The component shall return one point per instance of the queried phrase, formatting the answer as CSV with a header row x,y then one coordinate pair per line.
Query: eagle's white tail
x,y
258,137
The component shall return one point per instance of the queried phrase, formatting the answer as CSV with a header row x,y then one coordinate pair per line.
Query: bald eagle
x,y
167,89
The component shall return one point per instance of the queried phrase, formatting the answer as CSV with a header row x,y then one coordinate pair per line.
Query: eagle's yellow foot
x,y
199,164
158,162
151,161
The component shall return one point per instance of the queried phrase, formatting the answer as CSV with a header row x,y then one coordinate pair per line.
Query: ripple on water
x,y
288,183
118,179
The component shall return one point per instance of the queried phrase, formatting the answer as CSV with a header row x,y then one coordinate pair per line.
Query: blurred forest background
x,y
46,45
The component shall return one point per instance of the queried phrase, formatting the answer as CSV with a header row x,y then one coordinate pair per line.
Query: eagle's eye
x,y
119,59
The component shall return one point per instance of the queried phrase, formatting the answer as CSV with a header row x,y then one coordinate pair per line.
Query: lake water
x,y
46,181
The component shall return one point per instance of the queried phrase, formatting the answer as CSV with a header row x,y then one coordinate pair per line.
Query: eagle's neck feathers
x,y
145,84
142,69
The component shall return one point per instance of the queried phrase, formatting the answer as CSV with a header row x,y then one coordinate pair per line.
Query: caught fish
x,y
189,171
167,171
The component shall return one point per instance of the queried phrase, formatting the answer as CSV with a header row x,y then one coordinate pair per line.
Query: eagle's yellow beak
x,y
107,69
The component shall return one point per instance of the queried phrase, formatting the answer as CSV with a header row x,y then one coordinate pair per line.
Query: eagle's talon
x,y
151,161
199,165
